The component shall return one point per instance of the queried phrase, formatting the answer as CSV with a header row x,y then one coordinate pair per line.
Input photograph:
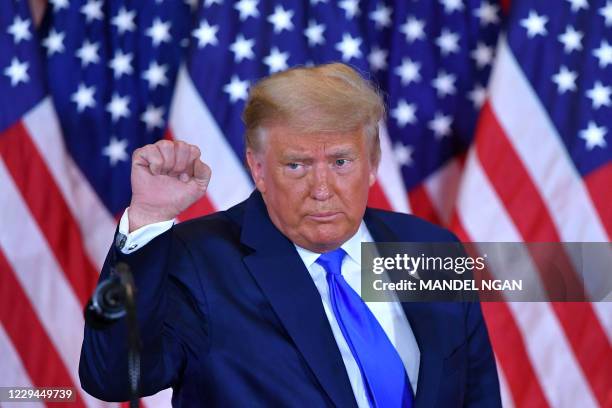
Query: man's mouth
x,y
325,216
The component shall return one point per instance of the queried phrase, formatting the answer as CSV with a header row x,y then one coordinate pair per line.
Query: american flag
x,y
499,122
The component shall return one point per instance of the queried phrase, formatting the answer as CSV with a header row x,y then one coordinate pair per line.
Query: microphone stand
x,y
114,298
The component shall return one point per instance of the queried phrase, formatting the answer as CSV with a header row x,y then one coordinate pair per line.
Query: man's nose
x,y
321,188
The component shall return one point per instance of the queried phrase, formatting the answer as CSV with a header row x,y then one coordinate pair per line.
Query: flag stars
x,y
604,54
403,154
444,84
116,151
314,33
378,59
571,39
381,16
276,60
84,97
247,8
606,13
577,5
17,72
349,47
124,20
440,125
54,43
404,113
535,24
487,13
206,34
93,10
350,7
155,75
118,107
448,42
281,19
237,89
207,3
451,6
20,29
413,29
594,136
483,55
565,80
59,4
153,117
242,48
599,95
88,53
121,64
477,96
159,32
408,71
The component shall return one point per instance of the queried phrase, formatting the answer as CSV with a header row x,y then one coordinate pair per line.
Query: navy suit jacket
x,y
230,317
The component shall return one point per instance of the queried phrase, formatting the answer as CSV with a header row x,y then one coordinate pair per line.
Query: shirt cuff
x,y
129,242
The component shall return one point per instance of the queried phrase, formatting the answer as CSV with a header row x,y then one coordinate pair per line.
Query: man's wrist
x,y
140,217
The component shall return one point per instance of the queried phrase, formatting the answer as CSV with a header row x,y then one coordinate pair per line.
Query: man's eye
x,y
341,162
293,166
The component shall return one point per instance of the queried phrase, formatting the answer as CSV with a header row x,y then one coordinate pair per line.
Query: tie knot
x,y
332,261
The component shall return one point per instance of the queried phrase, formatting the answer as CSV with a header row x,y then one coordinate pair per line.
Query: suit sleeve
x,y
482,381
161,270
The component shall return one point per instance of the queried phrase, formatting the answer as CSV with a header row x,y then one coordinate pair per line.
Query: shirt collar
x,y
352,247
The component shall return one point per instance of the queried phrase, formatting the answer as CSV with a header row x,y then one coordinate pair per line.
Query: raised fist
x,y
167,177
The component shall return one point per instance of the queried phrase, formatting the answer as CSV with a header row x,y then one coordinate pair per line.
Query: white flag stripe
x,y
442,186
482,213
539,145
491,223
603,311
41,278
96,224
14,373
551,356
192,122
506,397
389,177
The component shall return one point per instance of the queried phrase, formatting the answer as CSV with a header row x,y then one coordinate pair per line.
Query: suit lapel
x,y
283,278
421,321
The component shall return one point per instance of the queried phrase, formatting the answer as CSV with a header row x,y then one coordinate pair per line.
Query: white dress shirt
x,y
390,314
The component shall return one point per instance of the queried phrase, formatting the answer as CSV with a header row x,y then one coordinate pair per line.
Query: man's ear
x,y
373,173
255,162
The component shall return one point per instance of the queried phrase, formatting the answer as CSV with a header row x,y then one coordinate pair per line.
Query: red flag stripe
x,y
378,199
36,350
483,216
509,346
50,211
421,204
599,185
514,187
96,224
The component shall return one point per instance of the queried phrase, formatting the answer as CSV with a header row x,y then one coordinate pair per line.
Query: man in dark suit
x,y
258,305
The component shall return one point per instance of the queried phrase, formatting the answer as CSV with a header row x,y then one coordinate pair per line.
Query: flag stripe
x,y
442,187
539,146
96,224
61,232
513,185
41,278
389,174
192,122
421,204
590,345
555,364
598,184
37,353
14,373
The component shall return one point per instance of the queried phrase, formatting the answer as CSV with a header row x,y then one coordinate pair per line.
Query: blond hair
x,y
324,98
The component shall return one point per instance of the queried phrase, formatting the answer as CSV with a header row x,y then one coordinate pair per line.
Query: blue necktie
x,y
381,368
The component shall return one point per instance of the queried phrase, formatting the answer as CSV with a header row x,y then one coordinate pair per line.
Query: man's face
x,y
315,186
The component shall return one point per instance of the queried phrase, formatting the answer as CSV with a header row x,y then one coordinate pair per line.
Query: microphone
x,y
108,302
